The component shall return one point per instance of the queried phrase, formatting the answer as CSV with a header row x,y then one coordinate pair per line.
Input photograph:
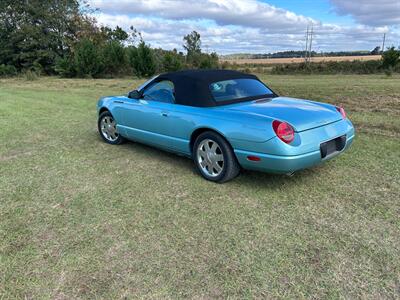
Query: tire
x,y
107,129
214,157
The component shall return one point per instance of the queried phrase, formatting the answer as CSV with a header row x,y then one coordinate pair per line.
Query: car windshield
x,y
236,89
146,83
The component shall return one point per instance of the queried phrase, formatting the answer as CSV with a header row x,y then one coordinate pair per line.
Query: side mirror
x,y
135,94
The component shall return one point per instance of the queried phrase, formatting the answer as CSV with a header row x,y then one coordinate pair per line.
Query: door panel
x,y
148,122
152,120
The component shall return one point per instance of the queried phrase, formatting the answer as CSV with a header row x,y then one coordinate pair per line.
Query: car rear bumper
x,y
274,163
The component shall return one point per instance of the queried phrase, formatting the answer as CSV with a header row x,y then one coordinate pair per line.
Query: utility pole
x,y
383,42
311,38
306,48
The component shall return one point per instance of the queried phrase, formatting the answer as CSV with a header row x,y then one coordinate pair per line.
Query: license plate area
x,y
331,147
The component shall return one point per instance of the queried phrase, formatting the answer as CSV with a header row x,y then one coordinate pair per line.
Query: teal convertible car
x,y
225,121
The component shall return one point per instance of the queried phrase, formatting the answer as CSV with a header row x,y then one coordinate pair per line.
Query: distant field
x,y
81,219
271,61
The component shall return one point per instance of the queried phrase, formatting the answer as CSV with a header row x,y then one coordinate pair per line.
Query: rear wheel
x,y
214,157
108,129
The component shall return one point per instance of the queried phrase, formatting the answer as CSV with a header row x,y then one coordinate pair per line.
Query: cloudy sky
x,y
257,26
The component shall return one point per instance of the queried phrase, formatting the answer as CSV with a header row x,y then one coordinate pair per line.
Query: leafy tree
x,y
114,57
65,66
172,61
209,61
133,36
192,43
142,60
390,58
87,59
117,34
33,34
7,70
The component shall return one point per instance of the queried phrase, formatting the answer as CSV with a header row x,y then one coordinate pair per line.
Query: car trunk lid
x,y
301,114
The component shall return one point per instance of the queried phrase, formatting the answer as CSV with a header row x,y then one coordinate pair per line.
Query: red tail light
x,y
342,112
253,158
284,131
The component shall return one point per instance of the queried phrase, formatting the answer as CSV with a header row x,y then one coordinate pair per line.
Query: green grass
x,y
83,219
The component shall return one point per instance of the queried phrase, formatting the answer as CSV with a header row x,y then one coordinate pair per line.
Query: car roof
x,y
192,87
212,75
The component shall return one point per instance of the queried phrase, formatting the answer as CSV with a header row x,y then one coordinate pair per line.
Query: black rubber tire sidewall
x,y
119,140
231,167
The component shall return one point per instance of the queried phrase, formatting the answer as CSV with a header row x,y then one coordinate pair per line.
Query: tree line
x,y
60,37
389,63
301,53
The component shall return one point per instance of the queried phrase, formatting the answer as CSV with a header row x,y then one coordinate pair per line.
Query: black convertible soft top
x,y
192,87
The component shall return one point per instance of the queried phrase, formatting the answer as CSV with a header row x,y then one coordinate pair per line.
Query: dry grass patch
x,y
296,60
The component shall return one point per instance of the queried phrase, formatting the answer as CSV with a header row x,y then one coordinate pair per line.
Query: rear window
x,y
236,89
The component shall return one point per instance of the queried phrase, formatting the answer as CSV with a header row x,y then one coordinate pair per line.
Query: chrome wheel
x,y
108,129
210,158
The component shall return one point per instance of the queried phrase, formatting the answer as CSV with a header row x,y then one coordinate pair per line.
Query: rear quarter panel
x,y
236,127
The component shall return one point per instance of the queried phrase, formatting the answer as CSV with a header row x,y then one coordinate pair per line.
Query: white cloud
x,y
248,13
370,12
231,26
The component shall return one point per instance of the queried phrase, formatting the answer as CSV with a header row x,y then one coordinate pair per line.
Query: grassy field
x,y
273,61
83,219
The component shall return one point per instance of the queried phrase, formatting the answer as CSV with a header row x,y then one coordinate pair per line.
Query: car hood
x,y
301,114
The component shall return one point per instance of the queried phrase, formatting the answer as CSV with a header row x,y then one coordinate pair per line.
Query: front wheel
x,y
108,129
214,157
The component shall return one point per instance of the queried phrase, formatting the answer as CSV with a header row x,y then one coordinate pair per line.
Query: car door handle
x,y
164,114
